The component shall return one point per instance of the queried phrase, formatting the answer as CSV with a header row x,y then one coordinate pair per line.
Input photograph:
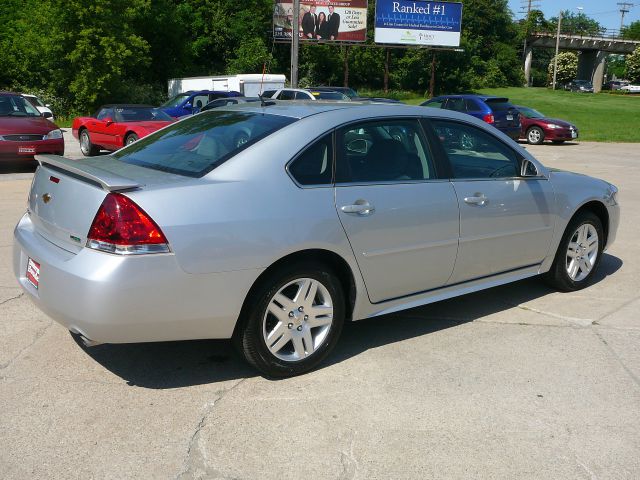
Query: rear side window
x,y
384,151
197,145
287,95
499,104
475,154
315,165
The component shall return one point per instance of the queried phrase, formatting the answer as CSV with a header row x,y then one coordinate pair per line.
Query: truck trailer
x,y
249,85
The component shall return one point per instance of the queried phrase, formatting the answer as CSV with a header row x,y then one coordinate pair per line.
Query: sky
x,y
607,12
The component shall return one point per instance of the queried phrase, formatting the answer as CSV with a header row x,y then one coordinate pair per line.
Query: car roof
x,y
126,105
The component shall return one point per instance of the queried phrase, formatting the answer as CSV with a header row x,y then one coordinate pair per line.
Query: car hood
x,y
33,125
557,121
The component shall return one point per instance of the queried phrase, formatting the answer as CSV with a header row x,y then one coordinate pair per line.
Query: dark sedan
x,y
24,132
537,127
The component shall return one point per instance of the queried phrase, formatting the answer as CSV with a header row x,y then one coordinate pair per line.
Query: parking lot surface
x,y
515,382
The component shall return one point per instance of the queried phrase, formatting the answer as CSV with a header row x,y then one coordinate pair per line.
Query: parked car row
x,y
517,122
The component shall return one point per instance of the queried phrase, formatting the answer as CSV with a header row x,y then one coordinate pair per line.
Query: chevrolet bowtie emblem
x,y
46,198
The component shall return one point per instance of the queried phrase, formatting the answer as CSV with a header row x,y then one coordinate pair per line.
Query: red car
x,y
536,127
24,132
115,126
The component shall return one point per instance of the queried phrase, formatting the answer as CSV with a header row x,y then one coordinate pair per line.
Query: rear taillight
x,y
122,227
488,118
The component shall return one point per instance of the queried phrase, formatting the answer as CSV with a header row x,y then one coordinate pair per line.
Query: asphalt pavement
x,y
515,382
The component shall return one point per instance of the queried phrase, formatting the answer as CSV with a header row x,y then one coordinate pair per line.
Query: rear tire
x,y
578,254
87,148
292,320
535,136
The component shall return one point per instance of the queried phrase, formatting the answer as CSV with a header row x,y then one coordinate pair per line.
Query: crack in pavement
x,y
349,461
195,463
37,337
635,379
12,298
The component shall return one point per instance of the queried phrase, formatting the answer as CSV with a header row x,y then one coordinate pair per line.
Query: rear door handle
x,y
477,199
361,207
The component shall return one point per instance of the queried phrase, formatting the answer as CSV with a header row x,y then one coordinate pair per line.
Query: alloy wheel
x,y
582,252
298,319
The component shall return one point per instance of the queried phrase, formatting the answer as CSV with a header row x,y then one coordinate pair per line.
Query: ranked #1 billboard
x,y
322,20
418,22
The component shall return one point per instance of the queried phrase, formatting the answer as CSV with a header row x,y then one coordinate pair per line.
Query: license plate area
x,y
26,150
574,134
510,117
33,272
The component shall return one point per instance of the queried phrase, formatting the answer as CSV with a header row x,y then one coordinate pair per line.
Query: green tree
x,y
567,68
631,31
632,66
576,24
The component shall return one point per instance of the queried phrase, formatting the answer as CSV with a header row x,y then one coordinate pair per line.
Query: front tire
x,y
292,320
535,136
87,148
578,254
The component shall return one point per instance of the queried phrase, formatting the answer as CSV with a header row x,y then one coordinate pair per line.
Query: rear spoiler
x,y
107,180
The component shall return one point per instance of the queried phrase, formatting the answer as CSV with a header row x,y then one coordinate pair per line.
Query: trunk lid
x,y
66,194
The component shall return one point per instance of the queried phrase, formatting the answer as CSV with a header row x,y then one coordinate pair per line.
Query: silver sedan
x,y
273,224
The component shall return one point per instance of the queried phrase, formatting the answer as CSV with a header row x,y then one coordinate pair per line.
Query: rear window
x,y
499,104
197,145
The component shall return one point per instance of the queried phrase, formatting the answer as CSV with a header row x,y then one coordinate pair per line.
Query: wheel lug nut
x,y
300,309
291,314
306,317
290,325
300,328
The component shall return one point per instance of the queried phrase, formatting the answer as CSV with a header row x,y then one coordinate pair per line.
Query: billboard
x,y
418,22
322,20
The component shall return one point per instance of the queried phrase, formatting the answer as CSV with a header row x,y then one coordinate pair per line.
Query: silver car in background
x,y
274,224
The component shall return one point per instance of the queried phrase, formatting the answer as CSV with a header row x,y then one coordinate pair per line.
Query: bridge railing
x,y
604,33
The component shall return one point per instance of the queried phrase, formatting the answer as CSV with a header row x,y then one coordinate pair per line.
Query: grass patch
x,y
64,122
599,117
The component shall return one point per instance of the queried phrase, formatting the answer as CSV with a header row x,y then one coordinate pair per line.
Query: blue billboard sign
x,y
418,22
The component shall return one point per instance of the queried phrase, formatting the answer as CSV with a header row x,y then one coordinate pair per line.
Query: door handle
x,y
477,199
361,207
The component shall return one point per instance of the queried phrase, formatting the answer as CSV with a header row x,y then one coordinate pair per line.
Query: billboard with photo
x,y
322,20
418,22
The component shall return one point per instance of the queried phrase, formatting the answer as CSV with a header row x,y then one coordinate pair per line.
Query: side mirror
x,y
108,121
47,114
47,105
188,106
528,169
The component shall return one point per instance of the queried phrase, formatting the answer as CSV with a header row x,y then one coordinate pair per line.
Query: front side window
x,y
384,151
105,113
140,114
287,95
195,146
475,154
456,104
434,103
200,101
315,165
175,101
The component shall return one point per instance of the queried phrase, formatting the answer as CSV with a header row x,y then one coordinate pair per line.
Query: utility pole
x,y
295,43
624,8
555,59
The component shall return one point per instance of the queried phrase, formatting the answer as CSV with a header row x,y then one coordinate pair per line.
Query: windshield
x,y
197,145
175,101
141,114
498,104
530,112
15,106
35,101
329,95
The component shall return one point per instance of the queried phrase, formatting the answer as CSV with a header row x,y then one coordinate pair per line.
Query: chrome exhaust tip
x,y
87,342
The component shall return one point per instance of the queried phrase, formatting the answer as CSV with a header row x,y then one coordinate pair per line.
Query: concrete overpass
x,y
593,53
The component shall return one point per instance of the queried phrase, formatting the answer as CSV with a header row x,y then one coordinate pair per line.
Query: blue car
x,y
191,102
496,111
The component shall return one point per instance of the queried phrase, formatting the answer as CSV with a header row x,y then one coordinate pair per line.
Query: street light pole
x,y
555,59
295,43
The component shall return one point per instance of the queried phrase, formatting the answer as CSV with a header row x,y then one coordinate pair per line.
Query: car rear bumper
x,y
115,299
10,151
